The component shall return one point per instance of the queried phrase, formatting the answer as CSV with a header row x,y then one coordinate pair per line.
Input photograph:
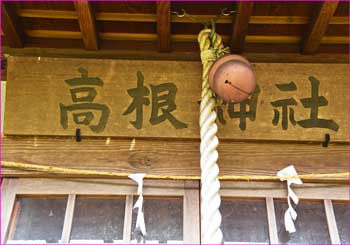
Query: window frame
x,y
277,190
188,190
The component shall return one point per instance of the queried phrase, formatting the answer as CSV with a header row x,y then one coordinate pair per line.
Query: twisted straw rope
x,y
82,172
210,185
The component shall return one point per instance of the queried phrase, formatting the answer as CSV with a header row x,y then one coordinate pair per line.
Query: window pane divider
x,y
68,219
332,224
8,198
14,219
271,219
191,213
128,219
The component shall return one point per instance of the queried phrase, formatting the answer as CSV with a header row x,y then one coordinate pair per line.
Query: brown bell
x,y
232,78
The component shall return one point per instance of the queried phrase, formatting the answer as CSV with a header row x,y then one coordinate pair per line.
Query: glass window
x,y
38,219
311,223
244,221
341,213
163,218
98,218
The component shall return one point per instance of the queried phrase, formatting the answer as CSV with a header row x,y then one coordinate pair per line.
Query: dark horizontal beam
x,y
154,55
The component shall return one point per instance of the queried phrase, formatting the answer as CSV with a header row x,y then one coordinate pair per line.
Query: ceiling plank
x,y
240,26
163,25
11,27
87,24
318,26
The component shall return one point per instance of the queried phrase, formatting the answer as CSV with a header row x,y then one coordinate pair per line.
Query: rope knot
x,y
213,53
222,51
208,55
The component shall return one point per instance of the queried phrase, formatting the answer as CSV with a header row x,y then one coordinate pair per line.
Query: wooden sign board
x,y
130,98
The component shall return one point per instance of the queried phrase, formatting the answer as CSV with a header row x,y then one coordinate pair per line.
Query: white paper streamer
x,y
140,220
290,215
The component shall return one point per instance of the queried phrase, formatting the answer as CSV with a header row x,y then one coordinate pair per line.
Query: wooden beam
x,y
318,26
11,26
163,25
293,20
87,24
140,17
177,38
275,190
178,157
179,56
240,26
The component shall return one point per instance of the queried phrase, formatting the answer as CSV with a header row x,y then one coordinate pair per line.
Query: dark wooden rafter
x,y
87,24
163,25
240,26
318,26
11,26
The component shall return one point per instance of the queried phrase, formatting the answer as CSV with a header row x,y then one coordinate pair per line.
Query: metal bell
x,y
232,78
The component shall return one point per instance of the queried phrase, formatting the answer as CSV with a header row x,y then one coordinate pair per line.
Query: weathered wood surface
x,y
318,26
36,87
174,157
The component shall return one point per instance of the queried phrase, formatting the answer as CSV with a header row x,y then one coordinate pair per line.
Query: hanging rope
x,y
94,173
211,48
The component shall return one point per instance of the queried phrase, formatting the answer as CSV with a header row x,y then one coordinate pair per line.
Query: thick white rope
x,y
211,49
